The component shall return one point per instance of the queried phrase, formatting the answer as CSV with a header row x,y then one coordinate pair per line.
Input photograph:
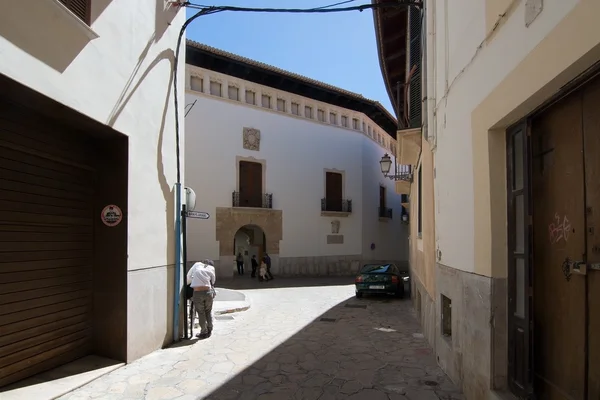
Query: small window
x,y
234,93
215,89
295,108
363,127
333,118
321,115
196,83
344,121
446,316
355,123
250,97
369,130
81,8
281,105
266,101
308,112
382,197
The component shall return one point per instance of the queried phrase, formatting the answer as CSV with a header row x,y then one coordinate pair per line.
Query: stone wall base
x,y
347,265
466,354
426,310
304,266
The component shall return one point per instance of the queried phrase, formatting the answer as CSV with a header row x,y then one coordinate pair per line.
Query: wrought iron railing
x,y
263,201
337,205
403,173
385,212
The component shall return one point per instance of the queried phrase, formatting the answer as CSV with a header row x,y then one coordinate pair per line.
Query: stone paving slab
x,y
300,343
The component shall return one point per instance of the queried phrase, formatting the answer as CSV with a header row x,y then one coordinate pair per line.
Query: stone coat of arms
x,y
251,139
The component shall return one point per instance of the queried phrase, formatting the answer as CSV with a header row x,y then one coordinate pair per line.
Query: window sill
x,y
335,214
69,18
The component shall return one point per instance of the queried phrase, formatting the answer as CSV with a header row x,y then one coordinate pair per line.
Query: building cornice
x,y
203,56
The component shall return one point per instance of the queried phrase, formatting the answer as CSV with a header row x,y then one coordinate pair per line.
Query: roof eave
x,y
382,63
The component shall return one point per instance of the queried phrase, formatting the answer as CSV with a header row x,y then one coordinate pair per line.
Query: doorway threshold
x,y
60,381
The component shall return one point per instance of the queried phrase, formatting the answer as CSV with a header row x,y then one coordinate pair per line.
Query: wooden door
x,y
382,202
250,184
559,236
591,137
520,273
333,191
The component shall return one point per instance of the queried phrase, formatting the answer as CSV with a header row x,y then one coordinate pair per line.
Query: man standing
x,y
240,263
201,277
254,263
267,261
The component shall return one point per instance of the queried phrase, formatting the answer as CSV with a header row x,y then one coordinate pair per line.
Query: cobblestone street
x,y
306,342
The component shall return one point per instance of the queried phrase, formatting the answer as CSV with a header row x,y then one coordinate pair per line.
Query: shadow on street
x,y
370,348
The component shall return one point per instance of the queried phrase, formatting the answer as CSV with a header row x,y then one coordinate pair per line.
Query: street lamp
x,y
386,165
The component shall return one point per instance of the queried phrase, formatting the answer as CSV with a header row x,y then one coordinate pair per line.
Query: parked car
x,y
380,279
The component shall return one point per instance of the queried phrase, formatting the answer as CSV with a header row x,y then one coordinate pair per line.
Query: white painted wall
x,y
389,236
297,153
118,72
469,62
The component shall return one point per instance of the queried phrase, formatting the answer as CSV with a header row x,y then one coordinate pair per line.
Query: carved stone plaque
x,y
335,226
251,139
533,8
335,239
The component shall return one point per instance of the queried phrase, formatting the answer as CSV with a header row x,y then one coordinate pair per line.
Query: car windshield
x,y
376,269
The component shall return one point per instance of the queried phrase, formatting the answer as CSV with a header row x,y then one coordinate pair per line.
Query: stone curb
x,y
233,310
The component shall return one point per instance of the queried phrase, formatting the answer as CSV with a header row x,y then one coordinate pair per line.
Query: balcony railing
x,y
385,212
336,205
263,201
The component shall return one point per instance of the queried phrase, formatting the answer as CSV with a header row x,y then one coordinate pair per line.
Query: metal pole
x,y
184,266
177,294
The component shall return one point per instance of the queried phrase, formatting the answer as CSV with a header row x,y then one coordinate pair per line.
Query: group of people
x,y
264,272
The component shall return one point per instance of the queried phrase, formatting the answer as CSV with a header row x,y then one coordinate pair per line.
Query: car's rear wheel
x,y
400,291
359,295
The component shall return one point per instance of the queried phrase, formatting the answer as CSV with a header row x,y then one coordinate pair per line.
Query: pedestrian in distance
x,y
201,277
267,260
254,263
240,263
263,272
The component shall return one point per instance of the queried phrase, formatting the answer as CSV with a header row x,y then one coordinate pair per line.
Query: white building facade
x,y
288,174
87,123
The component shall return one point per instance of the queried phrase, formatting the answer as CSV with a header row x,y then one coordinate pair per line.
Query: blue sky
x,y
336,48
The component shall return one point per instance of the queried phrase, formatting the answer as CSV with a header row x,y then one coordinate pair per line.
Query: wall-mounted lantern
x,y
401,173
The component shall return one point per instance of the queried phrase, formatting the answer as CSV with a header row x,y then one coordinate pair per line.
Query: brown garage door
x,y
46,244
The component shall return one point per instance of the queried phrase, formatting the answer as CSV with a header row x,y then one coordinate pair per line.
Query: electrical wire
x,y
207,10
324,9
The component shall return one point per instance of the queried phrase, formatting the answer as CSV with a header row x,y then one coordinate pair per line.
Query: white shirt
x,y
201,275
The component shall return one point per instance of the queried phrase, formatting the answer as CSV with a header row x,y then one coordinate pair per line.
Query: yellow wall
x,y
422,247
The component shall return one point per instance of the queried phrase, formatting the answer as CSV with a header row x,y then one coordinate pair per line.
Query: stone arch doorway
x,y
232,223
250,240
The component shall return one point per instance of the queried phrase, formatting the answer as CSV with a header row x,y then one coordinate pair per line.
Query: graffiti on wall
x,y
559,229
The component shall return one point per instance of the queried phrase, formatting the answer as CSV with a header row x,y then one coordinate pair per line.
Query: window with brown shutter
x,y
81,8
333,191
